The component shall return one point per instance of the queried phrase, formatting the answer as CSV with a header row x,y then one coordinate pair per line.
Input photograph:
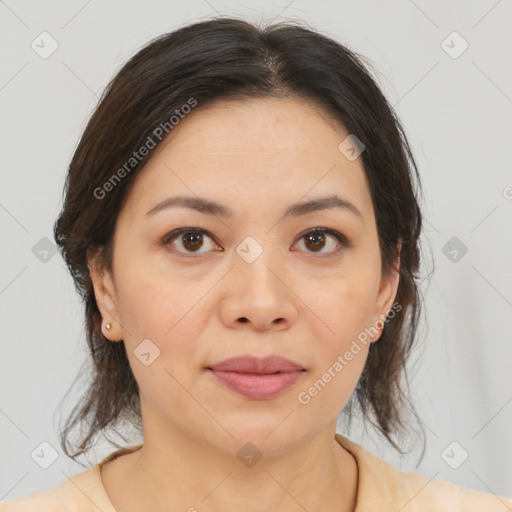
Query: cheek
x,y
148,304
345,346
328,389
168,310
345,305
161,313
160,337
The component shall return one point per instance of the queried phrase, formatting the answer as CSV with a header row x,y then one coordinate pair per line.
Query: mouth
x,y
257,378
252,364
258,386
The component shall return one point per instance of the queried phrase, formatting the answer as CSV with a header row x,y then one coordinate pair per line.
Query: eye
x,y
317,239
189,240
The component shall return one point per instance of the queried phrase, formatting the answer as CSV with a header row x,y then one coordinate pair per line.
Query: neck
x,y
192,474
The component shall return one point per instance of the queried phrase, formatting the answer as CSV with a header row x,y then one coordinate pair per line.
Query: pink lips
x,y
258,378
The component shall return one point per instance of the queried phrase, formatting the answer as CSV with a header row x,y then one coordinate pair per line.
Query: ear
x,y
105,294
387,293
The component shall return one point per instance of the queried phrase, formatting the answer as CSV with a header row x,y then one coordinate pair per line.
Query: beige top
x,y
381,488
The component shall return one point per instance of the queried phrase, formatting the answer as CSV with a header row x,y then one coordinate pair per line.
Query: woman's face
x,y
245,278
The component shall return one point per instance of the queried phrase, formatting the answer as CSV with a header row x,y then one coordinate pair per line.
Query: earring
x,y
108,326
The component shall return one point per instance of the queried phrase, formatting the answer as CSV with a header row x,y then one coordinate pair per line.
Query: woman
x,y
242,222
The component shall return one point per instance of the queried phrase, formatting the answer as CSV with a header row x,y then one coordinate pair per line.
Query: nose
x,y
257,297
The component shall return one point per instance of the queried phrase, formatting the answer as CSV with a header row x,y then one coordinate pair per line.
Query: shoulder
x,y
418,493
82,491
384,488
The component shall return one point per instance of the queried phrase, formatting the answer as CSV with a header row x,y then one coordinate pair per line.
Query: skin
x,y
257,157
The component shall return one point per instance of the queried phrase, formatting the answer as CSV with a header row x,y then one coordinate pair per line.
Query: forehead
x,y
258,124
266,150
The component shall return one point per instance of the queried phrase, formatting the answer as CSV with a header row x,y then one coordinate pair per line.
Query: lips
x,y
257,378
250,364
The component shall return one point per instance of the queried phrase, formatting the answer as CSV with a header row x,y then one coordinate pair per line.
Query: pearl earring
x,y
108,326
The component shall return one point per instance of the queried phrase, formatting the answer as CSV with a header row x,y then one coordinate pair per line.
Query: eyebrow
x,y
210,207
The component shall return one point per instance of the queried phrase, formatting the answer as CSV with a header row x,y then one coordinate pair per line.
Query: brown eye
x,y
316,241
192,241
319,239
189,241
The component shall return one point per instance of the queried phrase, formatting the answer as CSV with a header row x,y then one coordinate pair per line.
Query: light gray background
x,y
457,113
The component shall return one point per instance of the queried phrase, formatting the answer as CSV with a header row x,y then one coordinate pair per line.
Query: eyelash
x,y
342,240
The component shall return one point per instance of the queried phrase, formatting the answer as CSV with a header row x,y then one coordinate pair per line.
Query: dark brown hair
x,y
219,59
